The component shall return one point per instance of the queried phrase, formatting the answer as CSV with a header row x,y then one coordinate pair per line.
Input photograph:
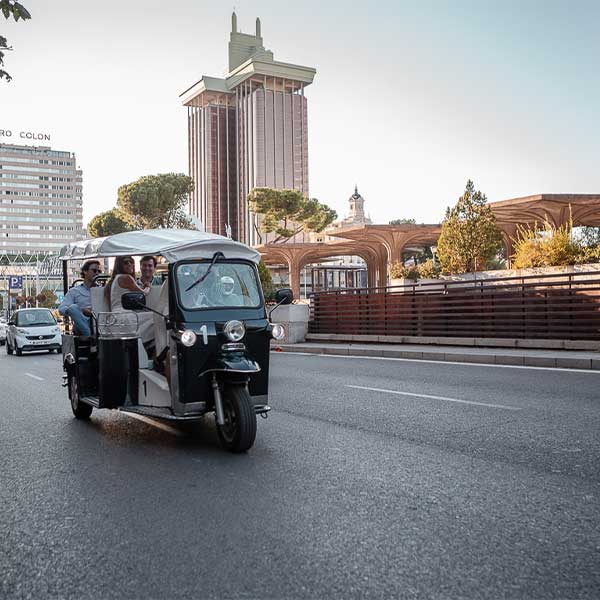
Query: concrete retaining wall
x,y
456,341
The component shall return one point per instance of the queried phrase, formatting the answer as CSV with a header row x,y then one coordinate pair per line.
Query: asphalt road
x,y
423,480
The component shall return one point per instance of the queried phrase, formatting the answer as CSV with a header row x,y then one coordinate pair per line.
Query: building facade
x,y
40,199
245,131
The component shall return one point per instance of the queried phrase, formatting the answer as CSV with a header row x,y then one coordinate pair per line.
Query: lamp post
x,y
434,254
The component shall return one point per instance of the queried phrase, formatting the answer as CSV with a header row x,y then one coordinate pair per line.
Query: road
x,y
371,478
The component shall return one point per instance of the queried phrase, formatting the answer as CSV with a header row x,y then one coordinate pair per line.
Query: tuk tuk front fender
x,y
236,363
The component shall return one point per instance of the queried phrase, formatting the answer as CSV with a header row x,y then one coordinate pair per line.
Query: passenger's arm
x,y
67,302
128,282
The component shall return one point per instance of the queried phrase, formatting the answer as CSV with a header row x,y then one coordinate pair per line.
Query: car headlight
x,y
277,331
188,338
234,330
21,331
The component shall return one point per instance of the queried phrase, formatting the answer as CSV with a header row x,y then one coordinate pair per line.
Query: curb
x,y
524,359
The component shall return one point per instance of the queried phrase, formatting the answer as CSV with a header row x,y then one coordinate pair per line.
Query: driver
x,y
225,295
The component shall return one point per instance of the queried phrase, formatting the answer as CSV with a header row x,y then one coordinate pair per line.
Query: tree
x,y
108,223
589,236
403,222
469,236
288,212
45,299
266,281
156,201
18,11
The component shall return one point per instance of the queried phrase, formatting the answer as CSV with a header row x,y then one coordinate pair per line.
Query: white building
x,y
40,199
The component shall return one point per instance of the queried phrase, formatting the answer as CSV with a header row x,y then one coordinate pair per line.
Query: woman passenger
x,y
121,282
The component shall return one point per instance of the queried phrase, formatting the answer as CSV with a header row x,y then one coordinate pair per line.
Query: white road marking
x,y
430,397
443,362
34,376
154,423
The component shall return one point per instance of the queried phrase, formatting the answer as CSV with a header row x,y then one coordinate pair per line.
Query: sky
x,y
410,99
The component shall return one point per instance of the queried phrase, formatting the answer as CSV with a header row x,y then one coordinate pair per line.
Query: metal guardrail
x,y
555,306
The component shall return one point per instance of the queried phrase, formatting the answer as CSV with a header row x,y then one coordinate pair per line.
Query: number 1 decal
x,y
204,332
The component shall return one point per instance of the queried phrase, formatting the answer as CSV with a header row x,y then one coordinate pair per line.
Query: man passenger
x,y
147,271
77,304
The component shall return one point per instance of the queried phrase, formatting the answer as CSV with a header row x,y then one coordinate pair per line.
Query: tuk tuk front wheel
x,y
239,431
80,409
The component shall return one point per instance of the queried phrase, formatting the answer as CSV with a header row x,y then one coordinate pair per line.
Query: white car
x,y
3,328
32,329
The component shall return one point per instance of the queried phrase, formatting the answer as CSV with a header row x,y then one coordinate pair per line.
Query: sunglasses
x,y
95,270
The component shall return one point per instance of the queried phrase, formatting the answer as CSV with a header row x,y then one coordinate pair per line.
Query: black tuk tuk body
x,y
245,363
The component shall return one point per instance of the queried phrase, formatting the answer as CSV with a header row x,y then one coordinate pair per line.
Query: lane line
x,y
430,397
157,424
443,362
34,376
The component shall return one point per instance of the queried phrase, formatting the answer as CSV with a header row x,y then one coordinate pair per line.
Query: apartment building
x,y
40,199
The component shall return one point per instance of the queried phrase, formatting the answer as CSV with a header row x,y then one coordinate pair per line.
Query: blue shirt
x,y
79,295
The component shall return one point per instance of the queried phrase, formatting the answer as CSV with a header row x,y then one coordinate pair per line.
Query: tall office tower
x,y
244,131
40,199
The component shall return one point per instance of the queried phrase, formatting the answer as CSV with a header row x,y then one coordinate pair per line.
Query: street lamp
x,y
434,253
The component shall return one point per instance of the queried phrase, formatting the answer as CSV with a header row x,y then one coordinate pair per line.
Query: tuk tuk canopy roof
x,y
172,244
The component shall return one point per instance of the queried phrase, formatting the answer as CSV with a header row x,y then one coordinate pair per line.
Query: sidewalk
x,y
565,359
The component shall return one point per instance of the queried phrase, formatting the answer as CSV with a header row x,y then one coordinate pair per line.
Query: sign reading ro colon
x,y
26,135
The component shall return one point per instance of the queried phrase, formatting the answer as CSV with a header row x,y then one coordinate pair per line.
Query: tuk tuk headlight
x,y
188,338
234,330
277,331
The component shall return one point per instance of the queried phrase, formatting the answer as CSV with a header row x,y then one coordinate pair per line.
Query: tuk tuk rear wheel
x,y
80,409
239,431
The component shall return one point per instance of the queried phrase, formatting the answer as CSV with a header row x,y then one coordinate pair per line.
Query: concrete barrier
x,y
294,317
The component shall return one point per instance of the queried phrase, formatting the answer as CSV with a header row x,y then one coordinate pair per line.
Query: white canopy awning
x,y
172,244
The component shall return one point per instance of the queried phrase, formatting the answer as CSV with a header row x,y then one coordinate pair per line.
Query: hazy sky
x,y
410,98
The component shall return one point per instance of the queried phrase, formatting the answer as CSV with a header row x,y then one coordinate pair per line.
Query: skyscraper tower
x,y
244,131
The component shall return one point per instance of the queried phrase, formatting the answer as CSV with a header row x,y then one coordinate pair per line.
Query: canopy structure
x,y
172,244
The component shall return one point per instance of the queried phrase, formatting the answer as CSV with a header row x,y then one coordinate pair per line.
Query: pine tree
x,y
469,237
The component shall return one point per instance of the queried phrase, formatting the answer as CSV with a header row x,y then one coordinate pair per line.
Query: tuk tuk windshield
x,y
227,284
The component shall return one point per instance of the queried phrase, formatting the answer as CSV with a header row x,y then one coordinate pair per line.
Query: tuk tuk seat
x,y
100,305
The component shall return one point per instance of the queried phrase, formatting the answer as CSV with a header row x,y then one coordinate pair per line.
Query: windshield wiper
x,y
216,255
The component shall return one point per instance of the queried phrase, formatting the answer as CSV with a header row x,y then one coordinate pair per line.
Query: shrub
x,y
398,270
428,270
550,247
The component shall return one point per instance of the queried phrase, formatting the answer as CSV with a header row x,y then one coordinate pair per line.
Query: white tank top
x,y
116,291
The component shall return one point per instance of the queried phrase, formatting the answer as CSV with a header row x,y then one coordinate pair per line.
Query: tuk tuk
x,y
216,340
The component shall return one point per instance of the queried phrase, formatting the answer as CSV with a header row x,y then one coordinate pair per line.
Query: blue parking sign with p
x,y
15,282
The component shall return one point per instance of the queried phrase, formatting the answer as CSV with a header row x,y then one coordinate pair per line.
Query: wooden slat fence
x,y
557,306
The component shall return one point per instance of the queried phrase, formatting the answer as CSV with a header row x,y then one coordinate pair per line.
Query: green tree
x,y
18,12
589,236
156,201
45,299
288,212
108,223
469,237
403,222
266,280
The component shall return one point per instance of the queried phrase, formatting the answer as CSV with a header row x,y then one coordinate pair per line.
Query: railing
x,y
554,306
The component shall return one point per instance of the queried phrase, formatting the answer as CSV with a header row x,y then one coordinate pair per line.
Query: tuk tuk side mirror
x,y
284,296
133,301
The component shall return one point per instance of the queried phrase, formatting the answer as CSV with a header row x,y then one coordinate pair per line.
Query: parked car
x,y
32,329
3,327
